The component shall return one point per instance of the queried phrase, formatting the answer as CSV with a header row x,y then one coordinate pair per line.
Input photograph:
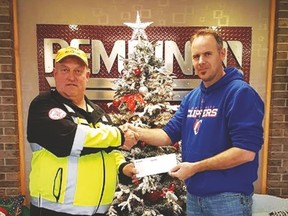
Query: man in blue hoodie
x,y
220,126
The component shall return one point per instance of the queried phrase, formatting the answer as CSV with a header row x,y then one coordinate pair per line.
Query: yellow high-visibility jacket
x,y
75,160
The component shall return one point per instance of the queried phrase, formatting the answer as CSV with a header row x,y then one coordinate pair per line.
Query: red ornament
x,y
172,187
116,102
3,211
142,144
176,145
137,71
136,182
153,196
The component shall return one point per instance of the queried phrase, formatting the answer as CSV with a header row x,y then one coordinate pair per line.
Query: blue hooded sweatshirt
x,y
211,120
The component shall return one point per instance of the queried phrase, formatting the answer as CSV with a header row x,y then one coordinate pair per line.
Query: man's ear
x,y
223,53
88,74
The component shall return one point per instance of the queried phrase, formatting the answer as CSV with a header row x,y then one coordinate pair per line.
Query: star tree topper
x,y
138,28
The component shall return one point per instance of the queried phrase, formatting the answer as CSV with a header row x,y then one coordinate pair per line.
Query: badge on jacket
x,y
57,114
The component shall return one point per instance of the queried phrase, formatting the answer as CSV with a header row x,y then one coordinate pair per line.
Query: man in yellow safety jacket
x,y
76,161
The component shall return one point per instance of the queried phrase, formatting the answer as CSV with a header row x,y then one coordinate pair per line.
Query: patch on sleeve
x,y
57,114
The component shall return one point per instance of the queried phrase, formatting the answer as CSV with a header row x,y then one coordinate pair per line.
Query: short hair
x,y
209,31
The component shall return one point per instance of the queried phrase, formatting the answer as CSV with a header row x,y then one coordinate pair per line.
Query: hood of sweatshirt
x,y
231,73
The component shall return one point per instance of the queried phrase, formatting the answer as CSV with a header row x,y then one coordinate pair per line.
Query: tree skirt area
x,y
267,205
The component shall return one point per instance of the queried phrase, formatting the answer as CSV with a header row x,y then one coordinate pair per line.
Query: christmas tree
x,y
141,96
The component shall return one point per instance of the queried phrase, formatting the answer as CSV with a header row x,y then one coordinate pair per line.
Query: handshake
x,y
131,136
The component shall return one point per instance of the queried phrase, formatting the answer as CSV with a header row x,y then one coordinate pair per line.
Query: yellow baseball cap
x,y
71,51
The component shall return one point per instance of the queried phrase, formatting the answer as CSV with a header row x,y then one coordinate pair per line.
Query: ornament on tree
x,y
176,145
137,71
171,188
3,212
143,90
153,196
142,144
116,102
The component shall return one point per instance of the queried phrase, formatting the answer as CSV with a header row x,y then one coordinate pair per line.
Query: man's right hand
x,y
130,137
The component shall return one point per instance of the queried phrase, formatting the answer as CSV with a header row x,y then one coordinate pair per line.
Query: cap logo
x,y
71,51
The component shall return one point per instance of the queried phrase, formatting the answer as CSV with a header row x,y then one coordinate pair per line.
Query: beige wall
x,y
162,12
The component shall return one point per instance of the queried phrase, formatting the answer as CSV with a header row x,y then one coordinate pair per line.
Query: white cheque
x,y
155,165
